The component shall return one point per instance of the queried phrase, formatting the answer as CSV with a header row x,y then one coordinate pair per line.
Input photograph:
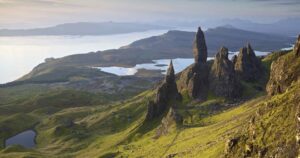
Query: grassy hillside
x,y
71,123
273,128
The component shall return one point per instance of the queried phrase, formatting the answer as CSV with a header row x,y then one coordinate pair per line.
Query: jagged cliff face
x,y
284,71
222,78
247,65
166,92
195,78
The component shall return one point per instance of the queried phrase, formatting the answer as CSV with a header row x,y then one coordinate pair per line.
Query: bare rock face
x,y
151,111
195,80
223,80
166,92
248,66
199,47
284,71
297,47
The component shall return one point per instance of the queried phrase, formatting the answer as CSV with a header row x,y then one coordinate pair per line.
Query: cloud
x,y
33,3
279,2
48,12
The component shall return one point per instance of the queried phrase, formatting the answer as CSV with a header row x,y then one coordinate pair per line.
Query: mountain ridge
x,y
83,28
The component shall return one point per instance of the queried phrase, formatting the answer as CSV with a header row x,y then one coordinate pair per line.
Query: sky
x,y
38,13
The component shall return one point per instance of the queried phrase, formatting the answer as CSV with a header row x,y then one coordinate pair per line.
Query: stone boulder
x,y
199,47
222,78
247,65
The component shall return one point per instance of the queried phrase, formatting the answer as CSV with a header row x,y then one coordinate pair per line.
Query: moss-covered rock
x,y
284,71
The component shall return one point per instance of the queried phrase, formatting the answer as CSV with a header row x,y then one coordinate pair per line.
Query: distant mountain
x,y
287,27
228,36
83,28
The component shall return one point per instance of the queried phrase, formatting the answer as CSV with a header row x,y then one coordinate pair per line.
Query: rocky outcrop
x,y
247,65
194,79
166,92
222,78
230,144
297,47
199,47
284,71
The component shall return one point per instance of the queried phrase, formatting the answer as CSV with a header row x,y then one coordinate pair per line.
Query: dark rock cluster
x,y
222,78
166,92
284,71
247,65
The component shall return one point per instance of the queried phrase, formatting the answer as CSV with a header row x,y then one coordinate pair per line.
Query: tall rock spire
x,y
166,93
195,78
199,47
297,47
170,77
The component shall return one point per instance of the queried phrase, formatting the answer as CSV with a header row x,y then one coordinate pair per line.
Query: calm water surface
x,y
26,139
18,55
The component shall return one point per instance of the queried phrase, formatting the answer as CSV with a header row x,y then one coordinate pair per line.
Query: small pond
x,y
26,139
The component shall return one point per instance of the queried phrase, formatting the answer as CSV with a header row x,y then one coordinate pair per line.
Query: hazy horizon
x,y
43,13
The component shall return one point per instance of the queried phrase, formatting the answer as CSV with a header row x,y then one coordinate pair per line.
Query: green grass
x,y
74,123
275,126
12,125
